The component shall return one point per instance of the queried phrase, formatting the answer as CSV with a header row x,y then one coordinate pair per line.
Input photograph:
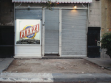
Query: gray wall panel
x,y
51,31
28,14
74,32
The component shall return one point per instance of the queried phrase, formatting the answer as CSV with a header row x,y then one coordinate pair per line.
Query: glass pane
x,y
28,31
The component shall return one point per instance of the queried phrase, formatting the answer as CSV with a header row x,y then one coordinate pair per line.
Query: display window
x,y
28,31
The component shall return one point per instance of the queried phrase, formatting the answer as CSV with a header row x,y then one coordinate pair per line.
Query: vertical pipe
x,y
87,31
43,34
59,32
14,30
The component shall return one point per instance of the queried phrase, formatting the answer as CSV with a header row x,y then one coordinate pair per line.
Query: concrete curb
x,y
5,63
54,77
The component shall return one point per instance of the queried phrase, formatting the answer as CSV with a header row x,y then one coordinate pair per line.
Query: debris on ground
x,y
54,66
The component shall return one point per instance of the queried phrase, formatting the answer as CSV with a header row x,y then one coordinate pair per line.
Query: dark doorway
x,y
6,41
93,42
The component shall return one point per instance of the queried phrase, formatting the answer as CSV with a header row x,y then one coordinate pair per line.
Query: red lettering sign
x,y
29,31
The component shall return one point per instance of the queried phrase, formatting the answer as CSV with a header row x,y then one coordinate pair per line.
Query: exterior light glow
x,y
75,7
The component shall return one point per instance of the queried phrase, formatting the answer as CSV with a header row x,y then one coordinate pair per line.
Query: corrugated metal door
x,y
28,14
51,31
74,32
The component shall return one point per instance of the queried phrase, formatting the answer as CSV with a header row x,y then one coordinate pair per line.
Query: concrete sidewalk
x,y
54,66
56,77
4,63
103,62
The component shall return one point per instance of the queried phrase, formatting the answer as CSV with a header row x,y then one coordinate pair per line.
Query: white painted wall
x,y
27,51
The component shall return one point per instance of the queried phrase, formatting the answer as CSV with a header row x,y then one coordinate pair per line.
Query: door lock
x,y
98,43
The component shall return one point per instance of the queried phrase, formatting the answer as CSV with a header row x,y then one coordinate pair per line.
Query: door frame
x,y
60,29
15,45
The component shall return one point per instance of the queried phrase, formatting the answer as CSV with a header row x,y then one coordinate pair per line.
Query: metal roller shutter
x,y
74,32
28,14
51,31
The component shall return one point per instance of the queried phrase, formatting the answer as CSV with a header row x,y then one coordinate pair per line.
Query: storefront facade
x,y
61,31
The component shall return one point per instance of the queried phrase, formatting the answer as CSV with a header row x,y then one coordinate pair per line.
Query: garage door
x,y
51,31
74,32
